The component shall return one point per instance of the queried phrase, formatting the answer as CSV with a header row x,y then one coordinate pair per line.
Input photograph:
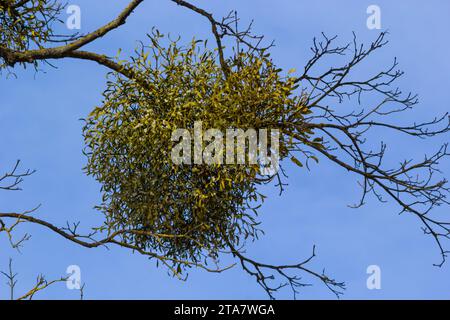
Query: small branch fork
x,y
11,276
294,282
10,180
41,284
228,27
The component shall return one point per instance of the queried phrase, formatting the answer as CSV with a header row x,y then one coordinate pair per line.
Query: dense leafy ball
x,y
183,211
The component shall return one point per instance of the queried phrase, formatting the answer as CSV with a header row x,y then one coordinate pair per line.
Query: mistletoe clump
x,y
179,211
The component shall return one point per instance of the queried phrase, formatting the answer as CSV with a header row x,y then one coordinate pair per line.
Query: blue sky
x,y
39,124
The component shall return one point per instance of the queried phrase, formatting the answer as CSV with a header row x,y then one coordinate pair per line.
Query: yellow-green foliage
x,y
128,141
28,24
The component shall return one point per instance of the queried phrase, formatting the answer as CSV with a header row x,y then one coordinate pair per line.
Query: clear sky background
x,y
39,124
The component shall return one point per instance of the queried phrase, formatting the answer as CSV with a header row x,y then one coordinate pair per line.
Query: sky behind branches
x,y
39,124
